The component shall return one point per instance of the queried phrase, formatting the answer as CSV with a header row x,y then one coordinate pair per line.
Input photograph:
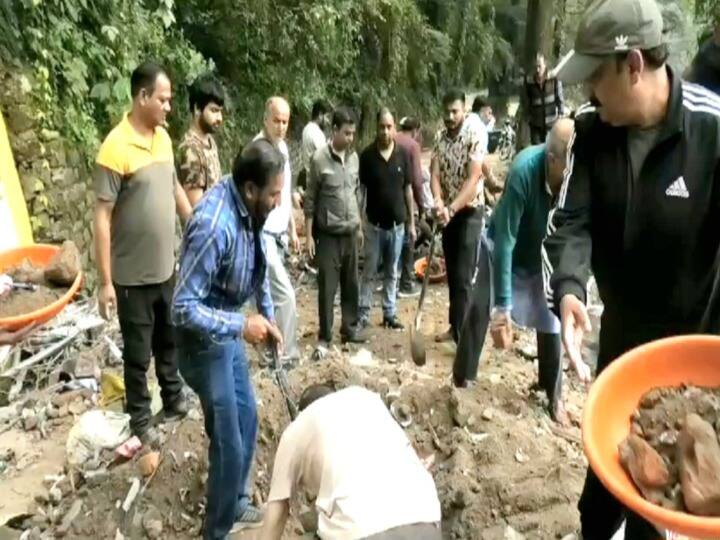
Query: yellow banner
x,y
14,218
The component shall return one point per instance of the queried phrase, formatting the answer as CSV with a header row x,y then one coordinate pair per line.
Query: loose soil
x,y
21,302
659,420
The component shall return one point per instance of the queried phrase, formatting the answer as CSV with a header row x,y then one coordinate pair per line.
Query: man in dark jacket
x,y
638,208
542,101
331,205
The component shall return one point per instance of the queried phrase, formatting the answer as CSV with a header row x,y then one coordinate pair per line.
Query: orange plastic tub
x,y
421,265
615,395
39,254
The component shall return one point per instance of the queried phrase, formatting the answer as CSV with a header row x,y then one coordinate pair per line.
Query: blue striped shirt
x,y
222,263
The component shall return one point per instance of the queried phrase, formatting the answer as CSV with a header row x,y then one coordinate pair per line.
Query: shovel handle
x,y
426,276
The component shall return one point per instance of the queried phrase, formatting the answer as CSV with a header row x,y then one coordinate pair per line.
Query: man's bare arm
x,y
409,198
182,204
435,182
276,515
103,218
193,195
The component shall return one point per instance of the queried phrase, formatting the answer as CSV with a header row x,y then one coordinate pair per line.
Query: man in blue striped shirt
x,y
222,265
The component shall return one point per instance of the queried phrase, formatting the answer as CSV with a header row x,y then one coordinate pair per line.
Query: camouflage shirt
x,y
199,163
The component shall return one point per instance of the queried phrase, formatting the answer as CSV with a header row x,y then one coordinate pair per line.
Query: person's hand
x,y
501,329
412,234
275,338
294,242
361,237
107,301
442,214
310,241
575,321
256,329
12,338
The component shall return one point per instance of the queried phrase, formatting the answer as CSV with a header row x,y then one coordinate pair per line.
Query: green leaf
x,y
101,91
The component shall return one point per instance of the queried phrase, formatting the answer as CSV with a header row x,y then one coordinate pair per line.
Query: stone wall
x,y
54,174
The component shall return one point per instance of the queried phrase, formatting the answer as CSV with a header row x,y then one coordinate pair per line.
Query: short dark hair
x,y
342,116
312,393
144,77
259,161
382,112
409,123
478,104
453,95
654,58
320,108
205,91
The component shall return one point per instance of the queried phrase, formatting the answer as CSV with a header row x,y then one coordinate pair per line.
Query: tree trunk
x,y
539,31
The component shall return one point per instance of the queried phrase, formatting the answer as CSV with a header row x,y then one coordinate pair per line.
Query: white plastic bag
x,y
94,431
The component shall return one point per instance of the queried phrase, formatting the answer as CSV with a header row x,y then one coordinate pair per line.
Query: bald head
x,y
556,146
276,118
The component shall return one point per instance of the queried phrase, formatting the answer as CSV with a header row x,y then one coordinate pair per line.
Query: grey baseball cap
x,y
609,27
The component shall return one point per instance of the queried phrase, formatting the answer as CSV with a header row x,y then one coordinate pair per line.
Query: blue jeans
x,y
218,372
388,243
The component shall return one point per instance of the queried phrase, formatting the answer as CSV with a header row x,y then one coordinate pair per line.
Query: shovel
x,y
281,380
417,342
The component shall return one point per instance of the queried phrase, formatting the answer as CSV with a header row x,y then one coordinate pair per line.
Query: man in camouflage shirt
x,y
197,153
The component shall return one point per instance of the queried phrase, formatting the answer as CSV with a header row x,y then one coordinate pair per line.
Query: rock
x,y
488,413
26,272
699,466
29,419
64,266
458,409
645,466
148,463
63,411
55,495
68,518
512,534
194,415
52,412
77,407
95,478
152,524
68,397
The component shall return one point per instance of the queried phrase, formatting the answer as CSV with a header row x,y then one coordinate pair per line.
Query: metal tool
x,y
417,342
24,286
280,376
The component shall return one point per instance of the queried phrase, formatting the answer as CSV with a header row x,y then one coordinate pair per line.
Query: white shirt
x,y
279,219
347,451
313,139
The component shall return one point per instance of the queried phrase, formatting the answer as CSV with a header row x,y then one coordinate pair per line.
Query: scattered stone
x,y
29,419
495,379
55,495
646,467
64,266
699,466
488,413
194,415
512,534
152,524
362,358
63,411
520,456
68,397
148,463
77,407
95,478
52,412
68,519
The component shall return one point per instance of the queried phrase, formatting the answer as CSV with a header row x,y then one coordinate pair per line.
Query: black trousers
x,y
144,314
474,329
337,262
600,513
538,135
461,245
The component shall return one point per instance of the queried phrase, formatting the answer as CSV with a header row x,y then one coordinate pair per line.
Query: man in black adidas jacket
x,y
639,208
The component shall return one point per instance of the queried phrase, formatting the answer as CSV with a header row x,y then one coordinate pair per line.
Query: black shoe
x,y
149,437
393,323
177,411
355,336
408,292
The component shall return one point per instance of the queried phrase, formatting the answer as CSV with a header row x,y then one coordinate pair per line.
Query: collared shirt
x,y
221,265
279,219
137,174
385,181
331,196
199,161
454,156
313,139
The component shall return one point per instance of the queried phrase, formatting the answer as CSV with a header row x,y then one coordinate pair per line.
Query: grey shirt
x,y
331,197
640,142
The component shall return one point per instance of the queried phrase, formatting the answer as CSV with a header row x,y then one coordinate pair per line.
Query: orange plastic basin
x,y
40,255
421,265
615,395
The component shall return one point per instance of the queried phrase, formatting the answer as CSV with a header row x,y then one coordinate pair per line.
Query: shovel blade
x,y
417,347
